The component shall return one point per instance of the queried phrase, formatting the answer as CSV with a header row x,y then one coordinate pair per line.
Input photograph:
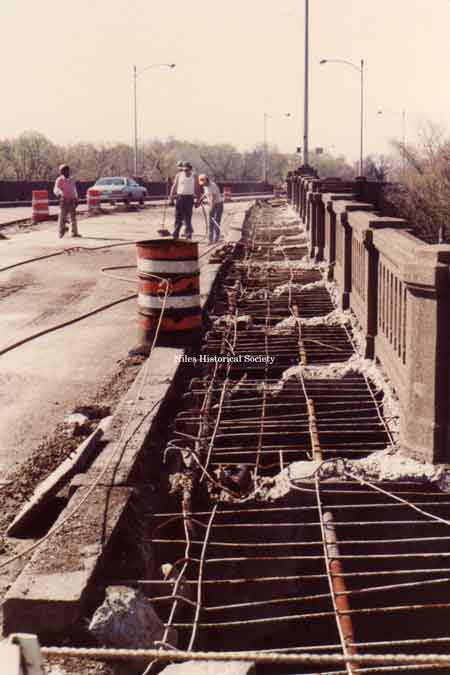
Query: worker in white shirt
x,y
184,192
65,189
214,199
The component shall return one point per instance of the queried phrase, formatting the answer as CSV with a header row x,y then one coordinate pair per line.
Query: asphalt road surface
x,y
42,381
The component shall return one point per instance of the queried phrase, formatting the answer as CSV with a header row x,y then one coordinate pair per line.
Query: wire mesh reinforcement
x,y
328,571
319,568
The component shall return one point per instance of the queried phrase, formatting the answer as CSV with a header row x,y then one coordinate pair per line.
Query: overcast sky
x,y
67,69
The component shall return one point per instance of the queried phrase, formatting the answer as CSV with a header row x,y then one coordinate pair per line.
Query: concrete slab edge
x,y
54,482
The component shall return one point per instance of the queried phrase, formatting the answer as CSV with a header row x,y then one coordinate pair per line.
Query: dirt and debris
x,y
95,412
59,665
210,668
10,289
21,481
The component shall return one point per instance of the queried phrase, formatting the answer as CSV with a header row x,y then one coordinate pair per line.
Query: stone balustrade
x,y
398,287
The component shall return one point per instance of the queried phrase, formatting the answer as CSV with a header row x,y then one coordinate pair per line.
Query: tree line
x,y
32,156
419,182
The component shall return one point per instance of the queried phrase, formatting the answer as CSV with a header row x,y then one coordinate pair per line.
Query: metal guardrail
x,y
152,198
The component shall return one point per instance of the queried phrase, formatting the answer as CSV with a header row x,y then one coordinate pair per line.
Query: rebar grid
x,y
310,604
253,278
337,565
313,303
242,422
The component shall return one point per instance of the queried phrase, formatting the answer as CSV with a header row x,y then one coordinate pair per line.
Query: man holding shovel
x,y
186,190
214,199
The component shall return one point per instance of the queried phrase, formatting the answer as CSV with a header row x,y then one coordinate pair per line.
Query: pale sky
x,y
67,69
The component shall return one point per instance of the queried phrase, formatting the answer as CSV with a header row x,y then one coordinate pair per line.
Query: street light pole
x,y
306,92
265,149
360,69
135,74
361,142
135,119
404,139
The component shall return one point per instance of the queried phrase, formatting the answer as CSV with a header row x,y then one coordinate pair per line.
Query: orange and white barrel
x,y
93,200
227,193
39,206
176,265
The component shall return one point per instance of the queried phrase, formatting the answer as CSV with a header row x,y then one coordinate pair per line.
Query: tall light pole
x,y
403,114
265,162
306,91
360,69
137,72
265,149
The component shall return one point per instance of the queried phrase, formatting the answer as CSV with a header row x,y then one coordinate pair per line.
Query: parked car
x,y
120,188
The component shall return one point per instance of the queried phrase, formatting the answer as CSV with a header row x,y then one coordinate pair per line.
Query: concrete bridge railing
x,y
398,287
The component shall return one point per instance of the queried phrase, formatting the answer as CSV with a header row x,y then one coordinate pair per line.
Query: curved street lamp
x,y
137,72
360,69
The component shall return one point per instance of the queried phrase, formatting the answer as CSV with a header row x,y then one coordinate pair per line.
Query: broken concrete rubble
x,y
243,321
283,289
77,424
335,318
210,668
290,240
127,620
387,465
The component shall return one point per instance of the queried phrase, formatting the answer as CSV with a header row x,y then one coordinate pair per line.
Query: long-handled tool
x,y
205,216
163,231
207,219
217,226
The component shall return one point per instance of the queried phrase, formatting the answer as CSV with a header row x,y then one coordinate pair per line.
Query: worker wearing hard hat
x,y
66,190
184,192
214,199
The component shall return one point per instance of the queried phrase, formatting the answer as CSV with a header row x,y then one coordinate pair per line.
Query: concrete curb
x,y
50,594
54,482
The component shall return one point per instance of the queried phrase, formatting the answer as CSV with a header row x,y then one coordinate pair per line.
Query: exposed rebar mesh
x,y
332,566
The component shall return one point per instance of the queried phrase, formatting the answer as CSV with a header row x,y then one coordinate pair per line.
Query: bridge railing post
x,y
303,193
330,238
319,226
297,188
289,186
425,424
364,283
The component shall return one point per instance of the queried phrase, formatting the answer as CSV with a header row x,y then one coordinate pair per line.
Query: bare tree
x,y
31,156
423,195
377,167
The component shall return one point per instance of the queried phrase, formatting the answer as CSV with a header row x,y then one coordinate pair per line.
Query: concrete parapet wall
x,y
398,287
11,190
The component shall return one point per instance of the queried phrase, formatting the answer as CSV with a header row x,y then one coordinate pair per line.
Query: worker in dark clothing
x,y
184,193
